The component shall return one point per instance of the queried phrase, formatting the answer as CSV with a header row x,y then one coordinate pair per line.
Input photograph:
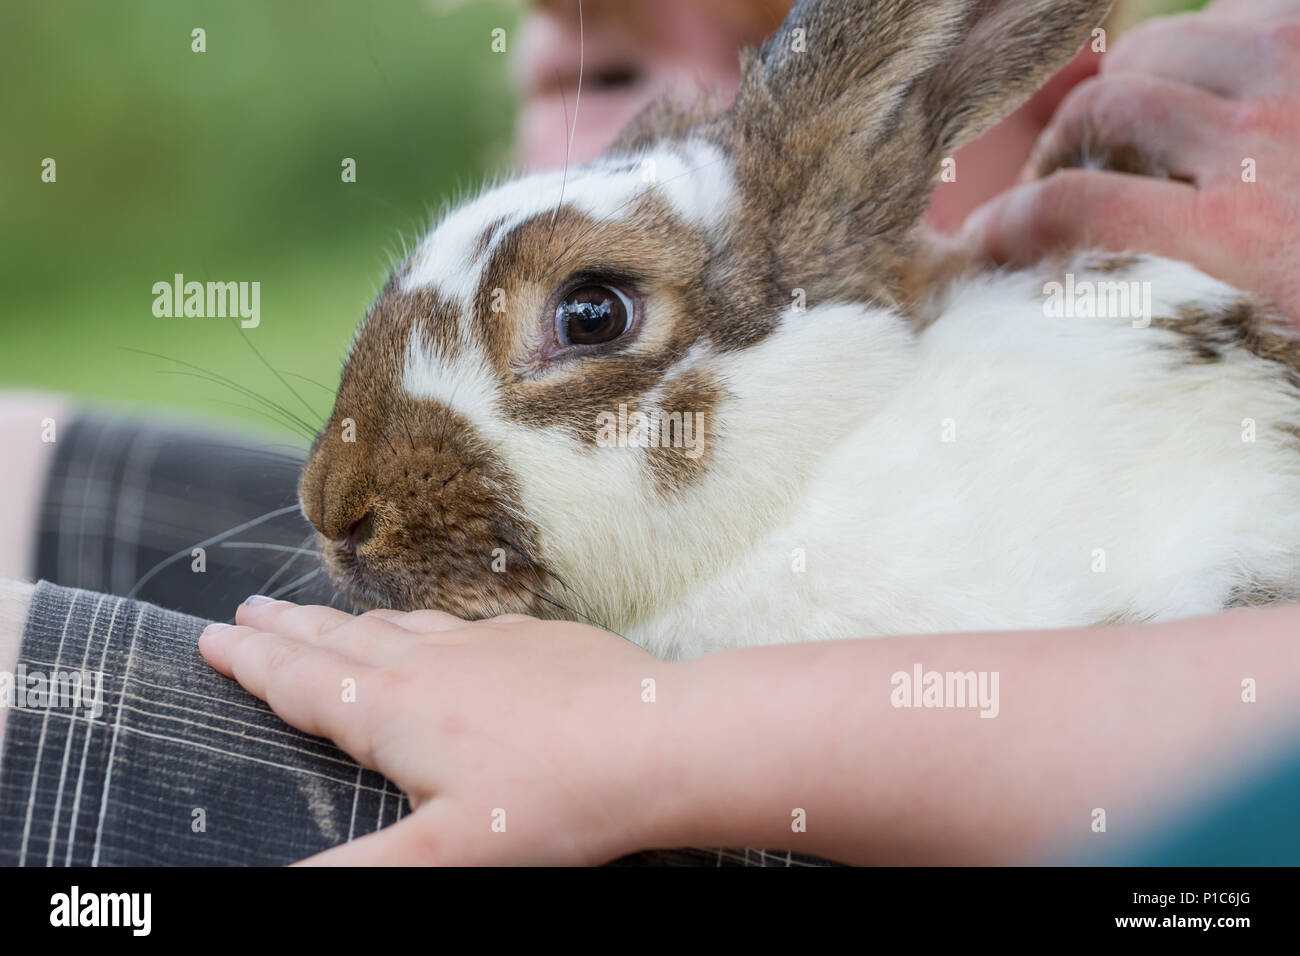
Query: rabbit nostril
x,y
360,531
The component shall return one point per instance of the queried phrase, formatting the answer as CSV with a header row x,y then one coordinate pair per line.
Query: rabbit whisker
x,y
286,418
243,333
573,130
295,584
289,562
207,542
269,547
310,381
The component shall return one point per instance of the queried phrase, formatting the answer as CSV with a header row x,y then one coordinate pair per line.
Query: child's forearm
x,y
1114,719
15,597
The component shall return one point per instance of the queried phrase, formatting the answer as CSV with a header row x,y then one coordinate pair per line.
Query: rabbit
x,y
684,392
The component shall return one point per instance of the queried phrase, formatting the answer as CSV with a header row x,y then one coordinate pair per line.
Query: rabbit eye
x,y
592,315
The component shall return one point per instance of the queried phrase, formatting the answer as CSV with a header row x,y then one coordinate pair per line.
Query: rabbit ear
x,y
845,113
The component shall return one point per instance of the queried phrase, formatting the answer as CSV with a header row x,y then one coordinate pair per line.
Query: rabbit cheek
x,y
683,436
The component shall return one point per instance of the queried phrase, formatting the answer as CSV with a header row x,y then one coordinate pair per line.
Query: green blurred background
x,y
225,165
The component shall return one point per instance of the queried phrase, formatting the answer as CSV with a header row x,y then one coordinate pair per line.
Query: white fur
x,y
1077,440
695,179
464,384
1072,435
629,550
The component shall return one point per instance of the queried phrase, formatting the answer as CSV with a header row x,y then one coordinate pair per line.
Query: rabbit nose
x,y
359,531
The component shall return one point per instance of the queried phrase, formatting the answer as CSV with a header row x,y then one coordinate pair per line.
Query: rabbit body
x,y
1023,470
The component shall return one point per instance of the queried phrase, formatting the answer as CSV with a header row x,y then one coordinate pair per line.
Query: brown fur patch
x,y
691,400
1119,618
1261,596
1244,323
664,120
645,246
485,238
937,262
1109,265
444,508
687,296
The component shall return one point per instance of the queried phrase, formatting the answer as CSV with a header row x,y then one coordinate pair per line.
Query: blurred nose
x,y
359,531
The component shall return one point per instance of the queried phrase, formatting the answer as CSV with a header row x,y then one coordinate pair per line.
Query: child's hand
x,y
1215,99
516,740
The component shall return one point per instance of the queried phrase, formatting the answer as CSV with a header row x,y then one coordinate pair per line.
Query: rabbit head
x,y
585,390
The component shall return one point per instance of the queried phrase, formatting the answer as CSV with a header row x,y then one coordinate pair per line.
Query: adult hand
x,y
1214,99
516,740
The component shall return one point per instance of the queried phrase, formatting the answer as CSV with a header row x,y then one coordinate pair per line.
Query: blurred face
x,y
634,52
637,51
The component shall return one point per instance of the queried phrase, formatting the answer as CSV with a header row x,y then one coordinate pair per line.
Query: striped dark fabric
x,y
126,504
160,760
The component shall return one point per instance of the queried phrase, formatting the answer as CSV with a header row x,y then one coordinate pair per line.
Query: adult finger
x,y
1077,208
1229,58
1140,124
1258,11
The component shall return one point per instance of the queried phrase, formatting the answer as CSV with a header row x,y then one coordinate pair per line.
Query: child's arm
x,y
15,596
547,729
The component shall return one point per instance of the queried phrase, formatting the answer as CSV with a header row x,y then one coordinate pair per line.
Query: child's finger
x,y
312,688
285,617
